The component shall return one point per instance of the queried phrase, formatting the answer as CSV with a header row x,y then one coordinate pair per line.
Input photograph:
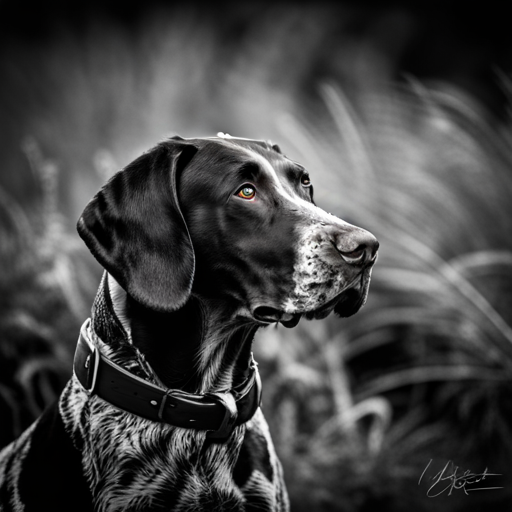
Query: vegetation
x,y
360,406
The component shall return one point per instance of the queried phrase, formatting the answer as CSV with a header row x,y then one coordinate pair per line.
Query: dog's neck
x,y
199,348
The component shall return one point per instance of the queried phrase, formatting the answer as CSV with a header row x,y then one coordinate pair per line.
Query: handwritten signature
x,y
454,480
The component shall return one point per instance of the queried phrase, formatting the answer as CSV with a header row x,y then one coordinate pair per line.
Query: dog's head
x,y
232,220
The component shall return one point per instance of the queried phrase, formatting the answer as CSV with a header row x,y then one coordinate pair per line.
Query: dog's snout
x,y
358,248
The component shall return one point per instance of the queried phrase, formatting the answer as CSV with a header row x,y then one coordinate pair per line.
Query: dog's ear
x,y
134,227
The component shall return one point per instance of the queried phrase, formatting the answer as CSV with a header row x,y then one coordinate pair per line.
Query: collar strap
x,y
218,413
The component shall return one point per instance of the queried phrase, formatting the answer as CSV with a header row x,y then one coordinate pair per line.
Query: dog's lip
x,y
270,314
358,283
291,320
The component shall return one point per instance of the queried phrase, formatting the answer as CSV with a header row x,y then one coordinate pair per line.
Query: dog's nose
x,y
358,248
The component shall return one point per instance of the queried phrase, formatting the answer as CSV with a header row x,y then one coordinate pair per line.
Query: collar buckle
x,y
91,365
227,400
91,377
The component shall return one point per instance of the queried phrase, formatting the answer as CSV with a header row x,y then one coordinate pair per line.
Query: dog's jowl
x,y
203,241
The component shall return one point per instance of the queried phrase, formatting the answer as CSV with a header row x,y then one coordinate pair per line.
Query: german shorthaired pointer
x,y
203,241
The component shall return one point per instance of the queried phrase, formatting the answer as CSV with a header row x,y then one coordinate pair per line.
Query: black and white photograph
x,y
255,256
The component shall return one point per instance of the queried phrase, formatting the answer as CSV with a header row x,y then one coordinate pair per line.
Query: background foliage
x,y
357,407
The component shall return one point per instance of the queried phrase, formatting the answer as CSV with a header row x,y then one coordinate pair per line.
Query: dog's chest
x,y
134,464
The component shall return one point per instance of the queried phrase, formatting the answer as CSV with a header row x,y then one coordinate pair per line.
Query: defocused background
x,y
401,112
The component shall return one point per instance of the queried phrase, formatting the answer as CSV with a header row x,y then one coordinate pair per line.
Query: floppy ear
x,y
134,227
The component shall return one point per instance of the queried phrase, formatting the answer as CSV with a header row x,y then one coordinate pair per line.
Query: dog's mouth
x,y
269,315
354,298
345,304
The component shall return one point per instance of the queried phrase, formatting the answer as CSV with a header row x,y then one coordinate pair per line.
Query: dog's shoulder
x,y
39,470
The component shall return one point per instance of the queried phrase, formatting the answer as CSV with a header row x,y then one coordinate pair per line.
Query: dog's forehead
x,y
239,152
240,147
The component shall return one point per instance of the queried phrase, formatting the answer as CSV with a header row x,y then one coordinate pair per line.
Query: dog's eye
x,y
246,192
305,181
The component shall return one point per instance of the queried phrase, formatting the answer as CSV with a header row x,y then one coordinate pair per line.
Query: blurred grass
x,y
357,407
426,364
46,281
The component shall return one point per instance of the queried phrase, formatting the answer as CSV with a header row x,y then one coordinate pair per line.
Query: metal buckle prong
x,y
95,356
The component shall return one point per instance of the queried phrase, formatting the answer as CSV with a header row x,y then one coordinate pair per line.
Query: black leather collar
x,y
218,413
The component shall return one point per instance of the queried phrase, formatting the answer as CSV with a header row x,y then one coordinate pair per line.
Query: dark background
x,y
459,41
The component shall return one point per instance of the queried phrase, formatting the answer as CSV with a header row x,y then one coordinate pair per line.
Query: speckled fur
x,y
11,462
317,280
134,464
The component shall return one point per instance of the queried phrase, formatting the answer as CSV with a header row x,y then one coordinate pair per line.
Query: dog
x,y
202,241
